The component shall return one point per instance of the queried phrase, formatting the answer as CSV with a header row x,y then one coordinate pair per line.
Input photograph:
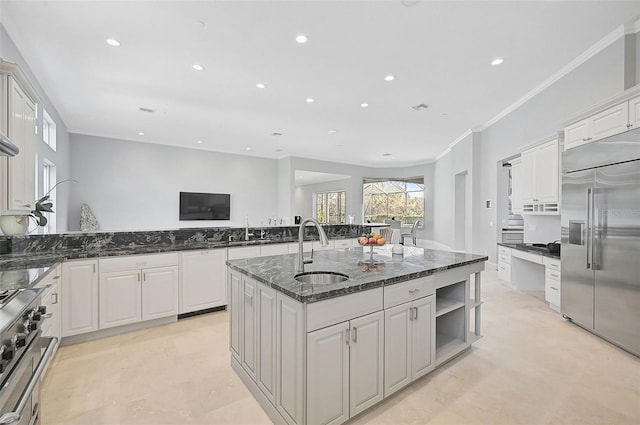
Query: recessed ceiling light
x,y
279,150
140,133
386,154
301,38
260,86
497,61
389,78
147,110
198,67
364,105
332,131
275,133
113,42
247,148
199,142
310,100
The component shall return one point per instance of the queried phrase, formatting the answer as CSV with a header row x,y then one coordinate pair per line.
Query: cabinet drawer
x,y
506,259
504,272
408,291
551,263
336,310
343,243
138,262
504,251
550,274
552,292
534,258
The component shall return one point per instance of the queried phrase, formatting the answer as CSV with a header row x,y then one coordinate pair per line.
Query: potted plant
x,y
17,222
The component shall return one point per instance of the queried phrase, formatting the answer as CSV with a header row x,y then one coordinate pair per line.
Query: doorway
x,y
460,212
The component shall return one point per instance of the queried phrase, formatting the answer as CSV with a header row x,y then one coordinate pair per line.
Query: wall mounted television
x,y
205,206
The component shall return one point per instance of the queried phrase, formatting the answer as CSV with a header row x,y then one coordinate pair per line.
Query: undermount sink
x,y
321,278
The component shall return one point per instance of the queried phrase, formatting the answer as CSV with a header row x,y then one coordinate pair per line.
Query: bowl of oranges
x,y
371,239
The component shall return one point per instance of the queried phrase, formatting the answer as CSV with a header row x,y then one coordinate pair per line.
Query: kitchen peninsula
x,y
323,353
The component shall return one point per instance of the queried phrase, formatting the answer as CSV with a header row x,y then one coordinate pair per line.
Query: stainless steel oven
x,y
24,354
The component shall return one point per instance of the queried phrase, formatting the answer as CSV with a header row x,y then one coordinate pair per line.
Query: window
x,y
48,183
48,130
402,199
331,207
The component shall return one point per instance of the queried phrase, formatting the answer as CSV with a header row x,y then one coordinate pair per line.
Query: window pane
x,y
398,198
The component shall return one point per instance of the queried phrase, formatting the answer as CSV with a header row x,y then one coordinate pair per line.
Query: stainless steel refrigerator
x,y
600,283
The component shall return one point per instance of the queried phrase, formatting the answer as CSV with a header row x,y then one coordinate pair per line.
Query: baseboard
x,y
118,330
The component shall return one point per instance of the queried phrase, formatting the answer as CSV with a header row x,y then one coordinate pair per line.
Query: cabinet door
x,y
547,172
159,292
203,280
577,134
366,362
397,348
423,337
529,175
290,335
266,373
120,298
634,113
248,348
610,121
235,307
21,130
328,375
516,187
79,297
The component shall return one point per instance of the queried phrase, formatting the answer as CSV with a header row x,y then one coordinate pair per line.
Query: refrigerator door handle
x,y
589,227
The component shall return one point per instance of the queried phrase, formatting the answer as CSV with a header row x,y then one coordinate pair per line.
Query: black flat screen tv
x,y
205,206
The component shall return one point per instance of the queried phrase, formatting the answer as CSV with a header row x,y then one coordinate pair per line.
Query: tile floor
x,y
531,367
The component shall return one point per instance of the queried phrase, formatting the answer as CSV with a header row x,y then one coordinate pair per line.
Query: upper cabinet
x,y
614,119
540,173
18,122
516,186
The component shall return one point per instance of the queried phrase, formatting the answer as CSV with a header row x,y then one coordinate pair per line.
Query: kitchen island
x,y
324,353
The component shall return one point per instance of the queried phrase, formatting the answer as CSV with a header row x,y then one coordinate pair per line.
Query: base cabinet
x,y
344,369
409,346
79,297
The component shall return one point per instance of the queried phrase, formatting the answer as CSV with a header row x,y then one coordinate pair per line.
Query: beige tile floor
x,y
531,367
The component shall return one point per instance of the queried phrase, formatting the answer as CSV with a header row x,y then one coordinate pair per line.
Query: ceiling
x,y
439,53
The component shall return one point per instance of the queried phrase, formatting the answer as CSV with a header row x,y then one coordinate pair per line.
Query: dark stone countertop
x,y
532,249
278,271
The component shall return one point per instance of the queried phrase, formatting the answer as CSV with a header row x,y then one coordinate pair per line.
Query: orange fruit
x,y
377,236
381,241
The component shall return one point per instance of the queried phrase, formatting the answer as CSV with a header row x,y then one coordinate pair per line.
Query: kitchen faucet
x,y
324,241
246,228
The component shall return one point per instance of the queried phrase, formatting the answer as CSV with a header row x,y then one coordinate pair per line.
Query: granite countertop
x,y
532,249
278,271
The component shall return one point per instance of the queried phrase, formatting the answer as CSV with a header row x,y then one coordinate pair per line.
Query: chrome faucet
x,y
246,230
324,241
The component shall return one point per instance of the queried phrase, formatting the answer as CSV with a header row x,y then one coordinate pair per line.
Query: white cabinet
x,y
345,369
248,347
275,249
17,121
79,297
504,263
240,252
516,186
540,179
409,343
136,288
235,307
52,319
552,279
202,280
267,360
612,120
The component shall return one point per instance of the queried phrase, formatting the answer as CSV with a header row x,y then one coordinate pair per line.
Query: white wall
x,y
60,157
135,186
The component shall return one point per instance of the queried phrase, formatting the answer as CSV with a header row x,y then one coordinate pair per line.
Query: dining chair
x,y
412,234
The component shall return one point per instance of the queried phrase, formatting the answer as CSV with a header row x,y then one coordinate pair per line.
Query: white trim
x,y
606,41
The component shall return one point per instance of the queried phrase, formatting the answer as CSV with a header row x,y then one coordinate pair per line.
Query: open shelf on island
x,y
445,305
448,346
451,334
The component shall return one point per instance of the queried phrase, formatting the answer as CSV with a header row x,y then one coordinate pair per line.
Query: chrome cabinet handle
x,y
347,336
355,334
56,277
588,229
414,291
629,125
54,298
415,317
554,288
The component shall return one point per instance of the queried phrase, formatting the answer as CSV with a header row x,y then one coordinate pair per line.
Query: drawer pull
x,y
414,291
355,334
554,275
554,288
54,298
56,277
347,336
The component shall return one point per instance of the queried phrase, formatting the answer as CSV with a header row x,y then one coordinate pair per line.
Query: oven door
x,y
19,394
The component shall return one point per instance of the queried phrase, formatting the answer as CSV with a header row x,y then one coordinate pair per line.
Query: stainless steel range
x,y
23,355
